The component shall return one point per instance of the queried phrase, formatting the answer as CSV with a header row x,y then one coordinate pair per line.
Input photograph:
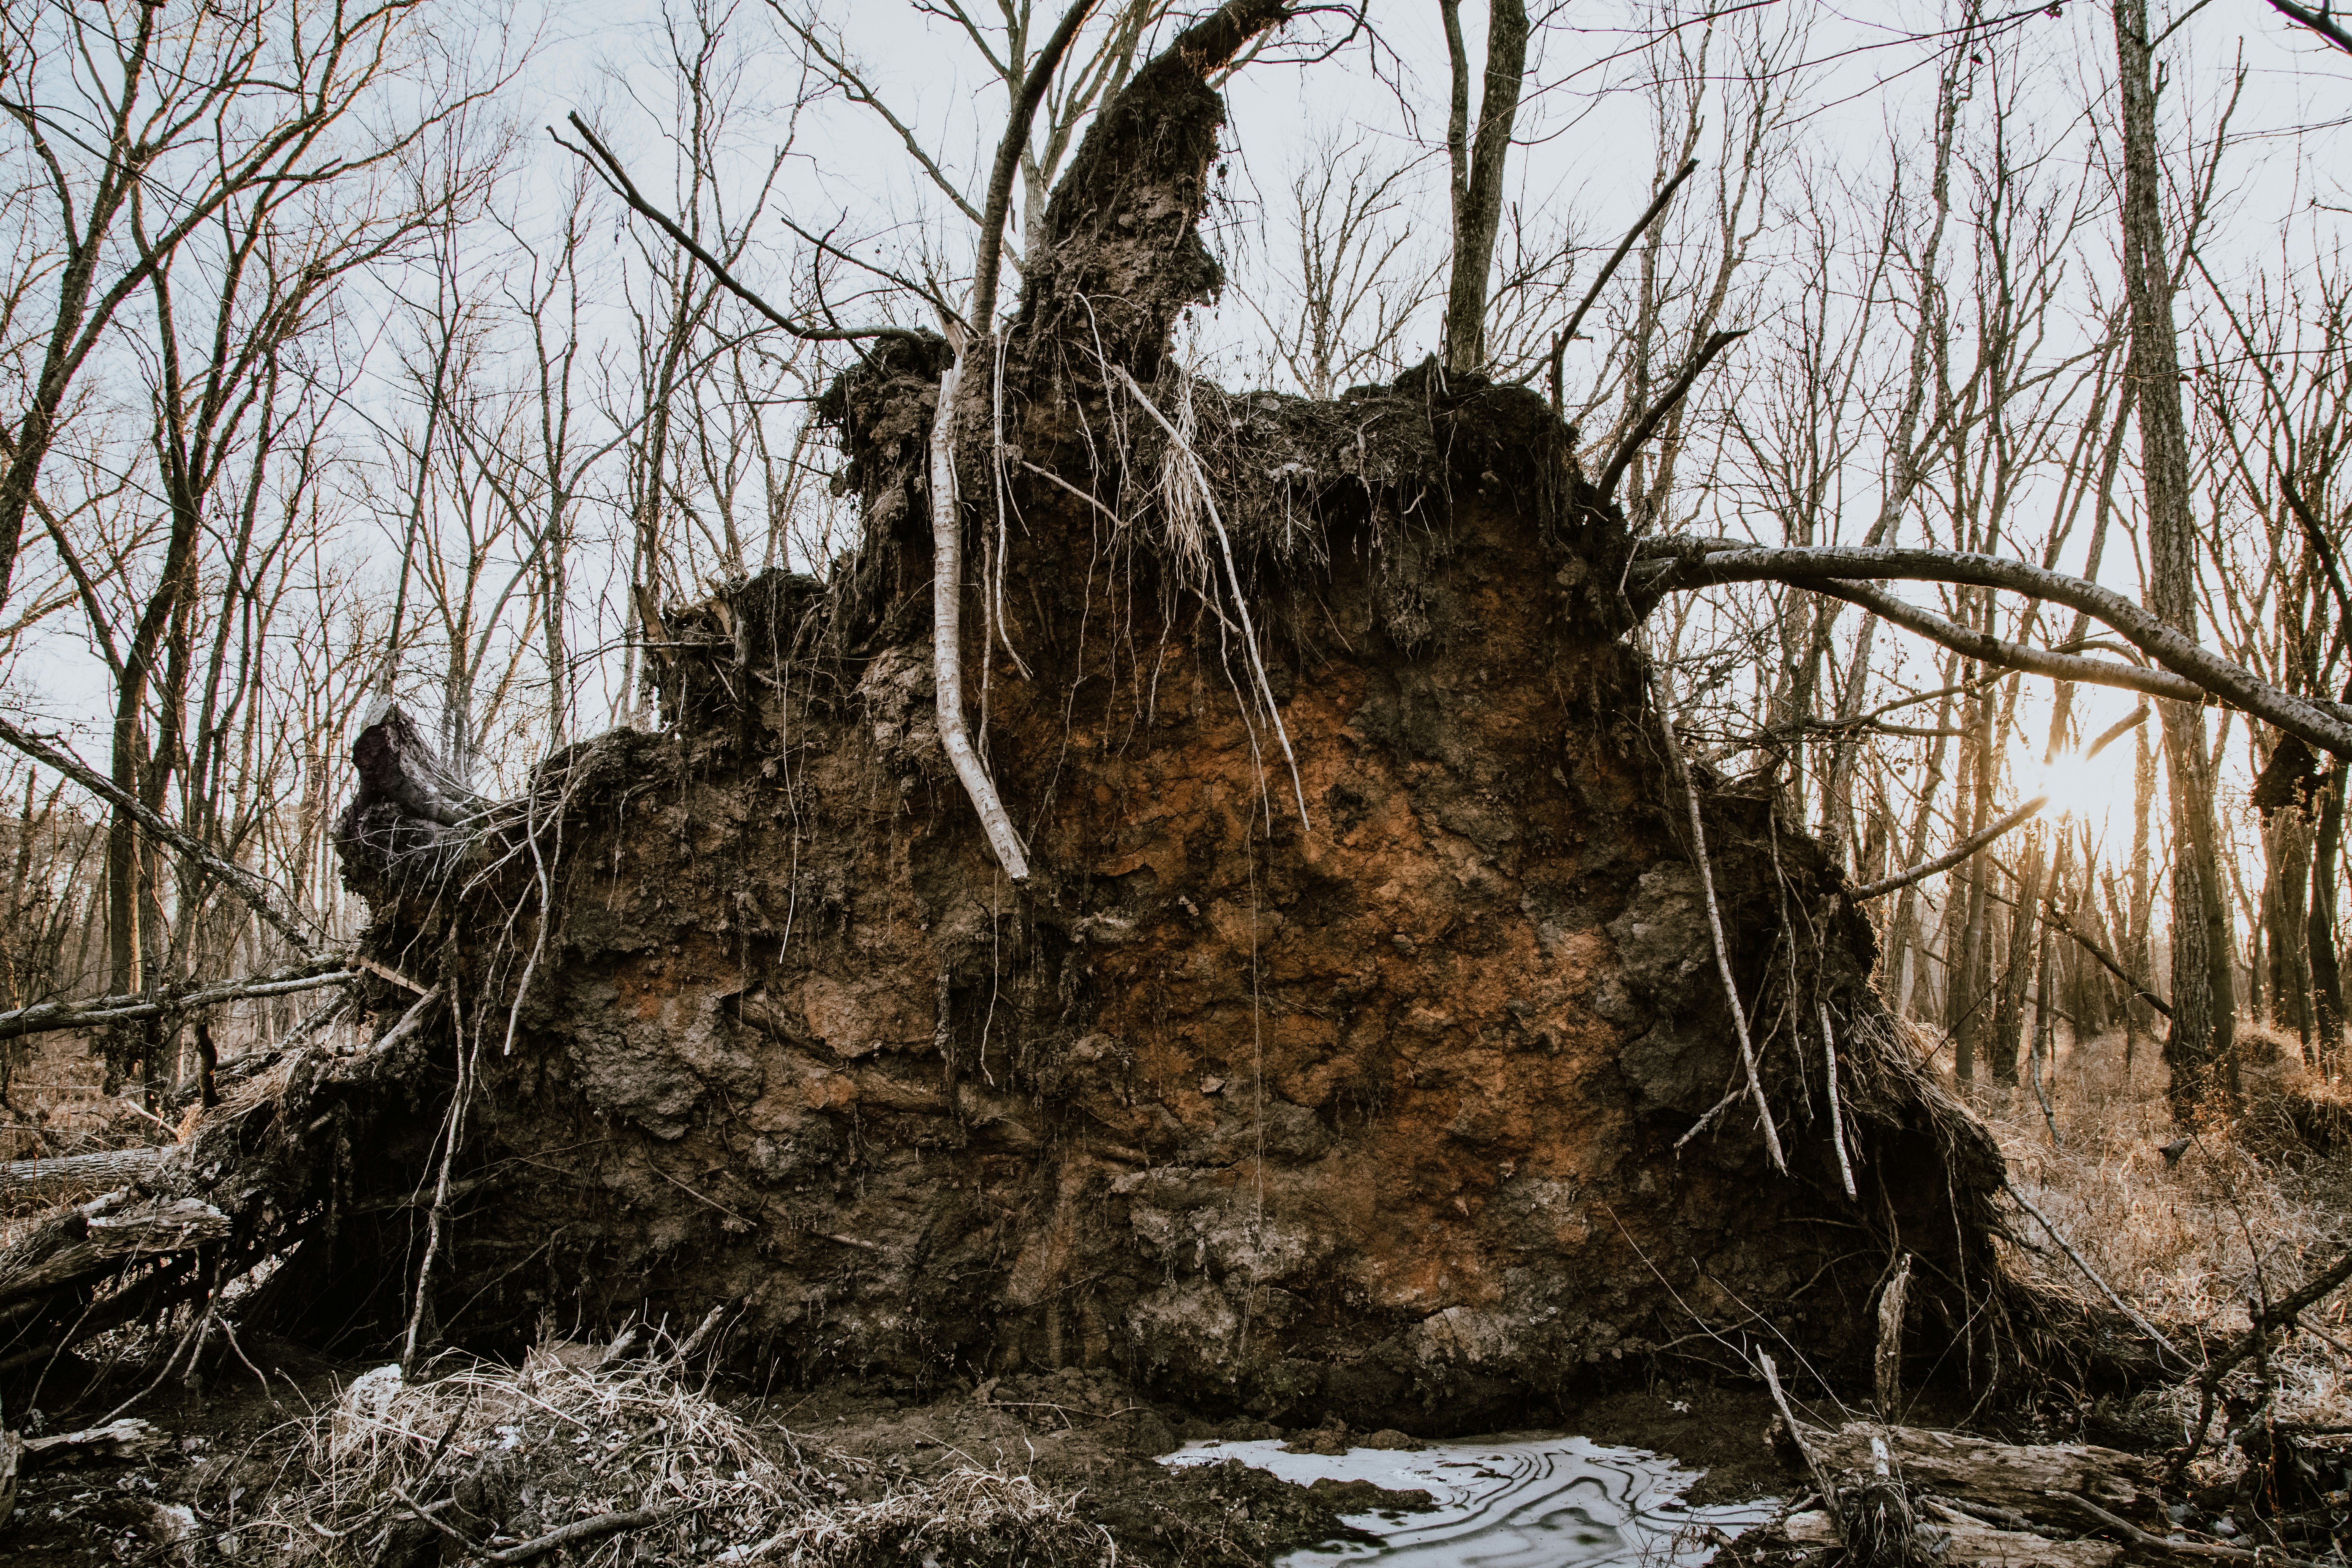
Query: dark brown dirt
x,y
1718,1430
71,1514
1075,1432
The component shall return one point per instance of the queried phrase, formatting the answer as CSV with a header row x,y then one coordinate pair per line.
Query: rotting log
x,y
262,1173
128,1439
1969,1541
107,1169
2018,1478
106,1235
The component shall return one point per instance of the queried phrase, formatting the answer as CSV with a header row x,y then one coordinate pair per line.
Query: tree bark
x,y
1477,185
2319,930
2009,1022
2202,1002
2286,846
1666,564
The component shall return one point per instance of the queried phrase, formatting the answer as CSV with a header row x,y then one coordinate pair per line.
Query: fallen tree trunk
x,y
103,1171
265,1171
1964,1540
2017,1479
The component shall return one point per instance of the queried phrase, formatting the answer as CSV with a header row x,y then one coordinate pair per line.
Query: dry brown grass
x,y
2246,1212
499,1454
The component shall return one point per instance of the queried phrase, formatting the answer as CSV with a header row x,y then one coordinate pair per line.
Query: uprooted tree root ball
x,y
1366,1042
1339,1053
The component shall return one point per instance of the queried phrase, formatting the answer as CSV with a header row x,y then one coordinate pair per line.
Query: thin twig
x,y
438,1215
1680,769
400,1495
2139,1537
1609,269
2150,1330
1837,1114
2281,1314
1797,1436
595,1529
245,884
616,176
1952,857
1716,343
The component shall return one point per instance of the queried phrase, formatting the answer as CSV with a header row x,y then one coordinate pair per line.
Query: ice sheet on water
x,y
1514,1501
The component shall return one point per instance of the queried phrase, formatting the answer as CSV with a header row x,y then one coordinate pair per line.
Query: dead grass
x,y
2246,1211
499,1455
969,1516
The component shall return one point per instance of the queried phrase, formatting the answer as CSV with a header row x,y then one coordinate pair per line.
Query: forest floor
x,y
300,1460
282,1456
2189,1231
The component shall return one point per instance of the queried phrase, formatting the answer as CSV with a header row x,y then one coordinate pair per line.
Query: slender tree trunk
x,y
2202,1002
1967,950
1903,932
2286,846
2327,976
1477,185
2009,1021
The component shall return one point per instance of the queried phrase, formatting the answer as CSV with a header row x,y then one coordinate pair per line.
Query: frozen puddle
x,y
1515,1501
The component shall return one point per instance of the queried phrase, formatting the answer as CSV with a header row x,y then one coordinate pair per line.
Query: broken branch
x,y
1680,769
616,176
1988,648
2278,1315
1952,857
2067,923
1837,1114
2139,1537
2150,1330
49,1017
1716,343
595,1529
1609,269
1821,1478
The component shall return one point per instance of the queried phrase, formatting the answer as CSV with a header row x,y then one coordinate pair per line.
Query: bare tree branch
x,y
1648,423
1685,562
1990,650
2326,26
240,881
1609,269
609,168
51,1016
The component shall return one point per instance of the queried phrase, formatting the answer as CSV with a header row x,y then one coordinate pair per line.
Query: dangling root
x,y
947,637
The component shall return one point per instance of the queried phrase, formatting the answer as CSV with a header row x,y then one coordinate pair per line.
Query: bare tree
x,y
183,112
1356,277
1475,166
2204,1010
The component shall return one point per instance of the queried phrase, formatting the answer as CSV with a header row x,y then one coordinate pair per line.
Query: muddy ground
x,y
221,1448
